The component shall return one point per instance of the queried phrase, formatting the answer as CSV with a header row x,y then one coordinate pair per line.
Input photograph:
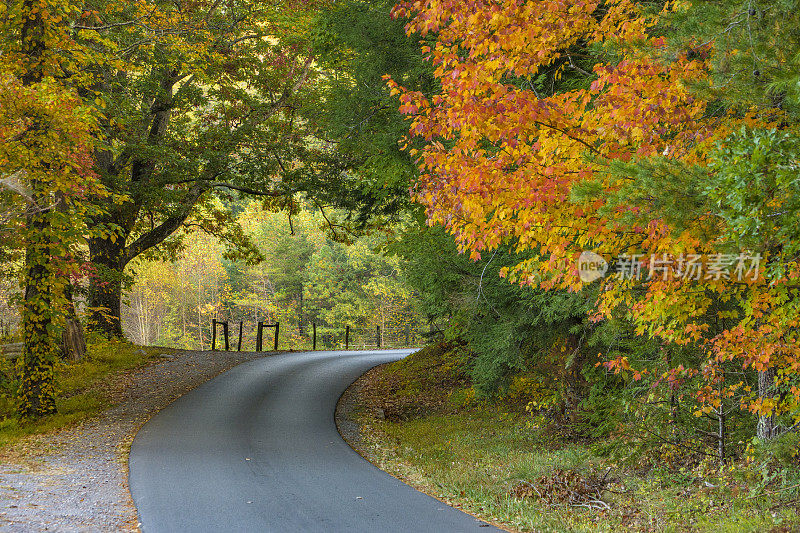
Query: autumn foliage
x,y
629,159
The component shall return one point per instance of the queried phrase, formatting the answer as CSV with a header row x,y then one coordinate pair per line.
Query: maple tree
x,y
630,160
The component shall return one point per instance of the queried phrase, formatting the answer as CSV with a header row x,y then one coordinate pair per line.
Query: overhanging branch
x,y
246,190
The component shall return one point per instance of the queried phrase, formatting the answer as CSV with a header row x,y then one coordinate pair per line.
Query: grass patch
x,y
495,460
85,388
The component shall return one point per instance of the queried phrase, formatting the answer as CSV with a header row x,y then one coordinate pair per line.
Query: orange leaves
x,y
506,150
536,145
616,365
513,148
621,365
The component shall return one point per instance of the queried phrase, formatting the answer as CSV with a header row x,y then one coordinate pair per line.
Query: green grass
x,y
81,395
474,455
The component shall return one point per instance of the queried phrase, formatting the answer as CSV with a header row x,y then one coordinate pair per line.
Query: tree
x,y
287,242
45,161
196,98
357,42
358,286
617,165
508,329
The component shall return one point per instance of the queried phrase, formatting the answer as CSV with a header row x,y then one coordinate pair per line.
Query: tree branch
x,y
246,190
158,234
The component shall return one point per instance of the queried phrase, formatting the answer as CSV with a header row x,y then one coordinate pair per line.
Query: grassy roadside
x,y
87,388
421,423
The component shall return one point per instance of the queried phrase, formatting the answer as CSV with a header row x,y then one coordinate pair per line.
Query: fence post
x,y
347,337
213,334
277,330
225,332
378,335
259,333
314,336
239,347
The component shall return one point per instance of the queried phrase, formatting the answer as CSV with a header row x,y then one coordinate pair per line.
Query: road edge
x,y
351,410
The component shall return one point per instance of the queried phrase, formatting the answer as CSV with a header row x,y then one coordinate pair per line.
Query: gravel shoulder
x,y
76,479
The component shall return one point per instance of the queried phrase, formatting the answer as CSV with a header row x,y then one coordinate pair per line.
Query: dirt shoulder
x,y
76,479
349,418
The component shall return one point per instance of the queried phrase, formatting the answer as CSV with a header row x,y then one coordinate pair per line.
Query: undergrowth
x,y
528,470
82,393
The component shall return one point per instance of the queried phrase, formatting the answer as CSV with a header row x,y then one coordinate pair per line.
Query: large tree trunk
x,y
105,289
37,394
111,256
766,430
73,342
37,376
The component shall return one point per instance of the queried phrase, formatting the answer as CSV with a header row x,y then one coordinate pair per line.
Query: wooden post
x,y
314,336
259,332
347,337
213,334
239,347
277,330
378,335
225,332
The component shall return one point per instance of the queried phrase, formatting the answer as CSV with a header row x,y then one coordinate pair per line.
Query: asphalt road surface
x,y
256,449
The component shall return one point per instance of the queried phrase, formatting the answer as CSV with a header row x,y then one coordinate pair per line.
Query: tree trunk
x,y
105,289
73,342
37,395
766,430
721,436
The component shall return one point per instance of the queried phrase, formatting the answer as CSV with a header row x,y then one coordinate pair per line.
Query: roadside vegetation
x,y
510,460
86,387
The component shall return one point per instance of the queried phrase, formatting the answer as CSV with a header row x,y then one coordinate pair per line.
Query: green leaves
x,y
357,43
754,187
756,50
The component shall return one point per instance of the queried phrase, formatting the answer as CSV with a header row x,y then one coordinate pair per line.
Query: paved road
x,y
256,449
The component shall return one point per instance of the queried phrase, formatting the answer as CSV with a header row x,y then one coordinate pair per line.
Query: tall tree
x,y
45,161
203,97
357,43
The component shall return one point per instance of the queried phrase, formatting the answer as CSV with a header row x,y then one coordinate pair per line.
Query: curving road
x,y
256,449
